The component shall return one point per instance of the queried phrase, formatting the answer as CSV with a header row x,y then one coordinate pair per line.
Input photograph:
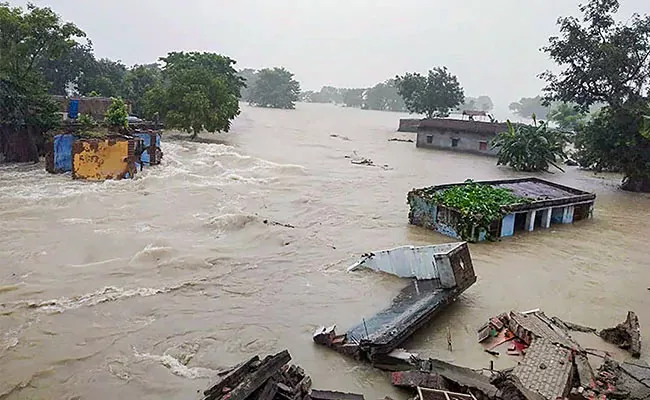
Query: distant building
x,y
458,135
96,107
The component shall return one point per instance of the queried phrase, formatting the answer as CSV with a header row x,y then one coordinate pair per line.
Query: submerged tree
x,y
604,61
274,88
200,91
530,148
433,95
384,97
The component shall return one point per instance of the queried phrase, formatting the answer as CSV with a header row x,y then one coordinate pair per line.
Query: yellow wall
x,y
98,160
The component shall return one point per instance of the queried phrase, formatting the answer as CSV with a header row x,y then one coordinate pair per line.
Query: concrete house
x,y
547,203
458,135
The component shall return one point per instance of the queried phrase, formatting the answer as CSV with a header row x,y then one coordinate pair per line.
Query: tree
x,y
250,77
530,148
433,95
275,88
199,91
353,97
384,97
567,117
137,82
604,61
28,38
63,72
106,77
481,103
484,103
527,106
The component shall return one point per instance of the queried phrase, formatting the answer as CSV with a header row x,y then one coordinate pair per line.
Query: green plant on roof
x,y
117,115
86,122
479,205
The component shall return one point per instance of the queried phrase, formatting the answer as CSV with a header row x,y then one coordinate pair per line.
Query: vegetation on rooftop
x,y
478,205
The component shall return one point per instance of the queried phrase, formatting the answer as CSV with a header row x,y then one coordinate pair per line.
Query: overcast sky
x,y
492,46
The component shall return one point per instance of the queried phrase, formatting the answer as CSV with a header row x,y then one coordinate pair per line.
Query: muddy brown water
x,y
145,288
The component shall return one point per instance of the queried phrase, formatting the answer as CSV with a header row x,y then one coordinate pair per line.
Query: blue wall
x,y
63,152
508,225
146,137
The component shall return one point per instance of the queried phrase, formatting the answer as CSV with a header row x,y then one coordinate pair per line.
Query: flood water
x,y
146,288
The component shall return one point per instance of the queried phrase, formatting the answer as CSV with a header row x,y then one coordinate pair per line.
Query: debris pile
x,y
271,378
626,335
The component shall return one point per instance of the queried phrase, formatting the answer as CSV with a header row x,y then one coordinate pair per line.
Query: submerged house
x,y
458,135
499,208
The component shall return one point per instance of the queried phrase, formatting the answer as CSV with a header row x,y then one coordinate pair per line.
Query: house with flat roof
x,y
458,135
537,204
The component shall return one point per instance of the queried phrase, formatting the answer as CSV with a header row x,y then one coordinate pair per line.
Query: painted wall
x,y
508,225
425,215
63,153
467,141
102,159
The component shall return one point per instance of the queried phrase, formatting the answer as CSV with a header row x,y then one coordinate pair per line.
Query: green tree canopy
x,y
105,77
530,148
433,95
274,88
567,117
199,91
526,107
28,38
137,82
605,61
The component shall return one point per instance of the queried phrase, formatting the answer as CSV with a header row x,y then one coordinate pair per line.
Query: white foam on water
x,y
105,295
175,365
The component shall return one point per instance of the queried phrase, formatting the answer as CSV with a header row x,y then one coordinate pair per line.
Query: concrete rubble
x,y
626,335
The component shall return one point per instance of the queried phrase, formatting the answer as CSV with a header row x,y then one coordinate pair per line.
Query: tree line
x,y
384,96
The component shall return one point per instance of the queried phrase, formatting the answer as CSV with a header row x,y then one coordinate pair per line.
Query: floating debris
x,y
401,140
443,272
269,379
334,135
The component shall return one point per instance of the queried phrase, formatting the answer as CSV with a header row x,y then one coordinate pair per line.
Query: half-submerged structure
x,y
477,211
441,272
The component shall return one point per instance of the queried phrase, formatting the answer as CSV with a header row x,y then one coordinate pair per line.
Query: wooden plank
x,y
331,395
232,379
268,391
269,367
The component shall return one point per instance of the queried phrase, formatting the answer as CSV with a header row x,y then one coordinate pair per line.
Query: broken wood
x,y
626,335
269,366
232,379
330,395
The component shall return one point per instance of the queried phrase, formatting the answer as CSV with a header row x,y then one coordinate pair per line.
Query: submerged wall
x,y
101,159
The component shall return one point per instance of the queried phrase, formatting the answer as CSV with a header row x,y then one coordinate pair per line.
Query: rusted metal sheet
x,y
101,159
